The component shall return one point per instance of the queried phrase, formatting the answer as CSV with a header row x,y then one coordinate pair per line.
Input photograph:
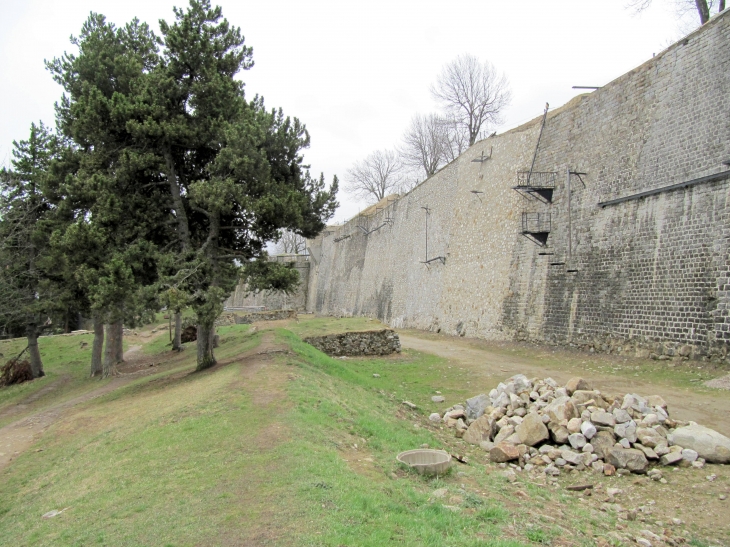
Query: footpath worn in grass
x,y
66,364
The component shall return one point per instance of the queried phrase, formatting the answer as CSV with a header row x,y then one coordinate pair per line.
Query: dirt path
x,y
17,437
489,367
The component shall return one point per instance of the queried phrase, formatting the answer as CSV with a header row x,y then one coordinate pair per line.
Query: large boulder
x,y
559,433
650,437
628,458
602,443
708,443
626,431
503,452
582,397
561,409
504,433
532,430
575,384
521,383
602,418
476,406
481,429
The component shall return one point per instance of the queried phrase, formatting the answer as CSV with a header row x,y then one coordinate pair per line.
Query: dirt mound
x,y
15,372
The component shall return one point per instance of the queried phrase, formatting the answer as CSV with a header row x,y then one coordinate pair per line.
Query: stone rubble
x,y
380,342
537,424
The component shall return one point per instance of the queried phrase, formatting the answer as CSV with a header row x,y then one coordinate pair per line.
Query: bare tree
x,y
455,141
424,144
378,175
683,7
291,243
472,93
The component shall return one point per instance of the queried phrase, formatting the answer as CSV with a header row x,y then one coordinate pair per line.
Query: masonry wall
x,y
274,300
643,275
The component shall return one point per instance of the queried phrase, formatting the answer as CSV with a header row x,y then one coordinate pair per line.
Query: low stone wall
x,y
273,315
376,342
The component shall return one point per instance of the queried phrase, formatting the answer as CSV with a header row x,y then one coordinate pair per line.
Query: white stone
x,y
577,440
708,443
588,430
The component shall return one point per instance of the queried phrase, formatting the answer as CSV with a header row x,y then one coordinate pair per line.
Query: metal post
x,y
534,156
426,235
427,211
570,226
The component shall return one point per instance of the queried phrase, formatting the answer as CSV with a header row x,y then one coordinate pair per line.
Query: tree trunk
x,y
703,10
119,348
177,340
113,340
722,6
177,202
206,335
97,347
36,365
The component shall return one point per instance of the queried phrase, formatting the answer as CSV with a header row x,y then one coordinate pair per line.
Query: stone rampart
x,y
644,274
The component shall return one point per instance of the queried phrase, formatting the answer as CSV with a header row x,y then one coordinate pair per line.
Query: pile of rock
x,y
271,315
371,342
539,424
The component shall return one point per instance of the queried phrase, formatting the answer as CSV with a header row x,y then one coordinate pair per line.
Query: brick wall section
x,y
652,275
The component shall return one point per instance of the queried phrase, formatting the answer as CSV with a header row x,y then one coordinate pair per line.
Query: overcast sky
x,y
356,73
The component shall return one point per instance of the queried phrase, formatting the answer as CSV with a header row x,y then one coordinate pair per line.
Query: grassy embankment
x,y
288,447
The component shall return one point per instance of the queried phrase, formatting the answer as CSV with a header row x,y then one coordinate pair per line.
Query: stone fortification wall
x,y
647,274
274,300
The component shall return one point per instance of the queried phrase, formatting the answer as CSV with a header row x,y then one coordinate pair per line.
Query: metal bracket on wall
x,y
537,185
483,158
536,227
427,261
441,258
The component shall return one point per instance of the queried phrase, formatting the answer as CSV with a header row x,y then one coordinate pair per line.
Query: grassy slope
x,y
296,449
65,362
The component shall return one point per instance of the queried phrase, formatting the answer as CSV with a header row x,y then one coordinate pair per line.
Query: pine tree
x,y
120,210
26,291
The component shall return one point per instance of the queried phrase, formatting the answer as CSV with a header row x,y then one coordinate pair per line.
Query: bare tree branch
x,y
703,8
473,94
378,175
424,144
291,243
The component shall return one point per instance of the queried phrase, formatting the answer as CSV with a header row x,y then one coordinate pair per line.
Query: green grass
x,y
289,448
64,359
310,325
